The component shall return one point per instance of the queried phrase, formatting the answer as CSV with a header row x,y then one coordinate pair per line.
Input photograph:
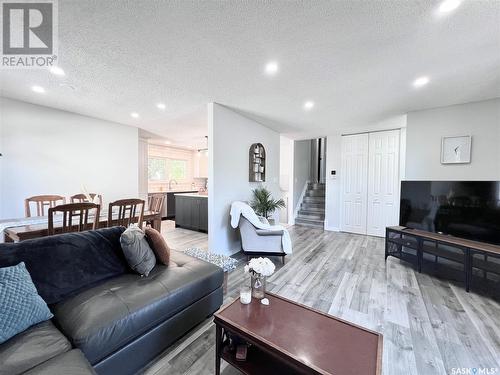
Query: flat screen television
x,y
465,209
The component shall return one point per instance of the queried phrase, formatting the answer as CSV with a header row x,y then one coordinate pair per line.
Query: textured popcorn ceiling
x,y
355,59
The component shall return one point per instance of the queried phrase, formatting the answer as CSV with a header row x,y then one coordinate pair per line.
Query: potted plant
x,y
259,269
263,203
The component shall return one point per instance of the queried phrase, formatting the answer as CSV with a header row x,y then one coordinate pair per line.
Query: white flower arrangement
x,y
260,266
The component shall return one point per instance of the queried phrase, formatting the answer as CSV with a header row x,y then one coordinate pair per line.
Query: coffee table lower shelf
x,y
257,362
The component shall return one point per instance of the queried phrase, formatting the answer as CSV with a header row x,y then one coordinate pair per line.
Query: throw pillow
x,y
158,244
20,305
137,252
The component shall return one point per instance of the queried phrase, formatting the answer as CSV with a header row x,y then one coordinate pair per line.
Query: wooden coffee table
x,y
290,338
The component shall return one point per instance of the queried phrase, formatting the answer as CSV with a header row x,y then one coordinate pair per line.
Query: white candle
x,y
245,295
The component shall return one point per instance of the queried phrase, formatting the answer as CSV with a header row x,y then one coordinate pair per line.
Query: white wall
x,y
48,151
423,141
286,179
301,168
333,186
230,136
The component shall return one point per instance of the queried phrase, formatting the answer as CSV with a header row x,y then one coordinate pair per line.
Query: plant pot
x,y
258,286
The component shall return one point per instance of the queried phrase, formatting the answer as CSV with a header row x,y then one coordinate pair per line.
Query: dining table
x,y
20,229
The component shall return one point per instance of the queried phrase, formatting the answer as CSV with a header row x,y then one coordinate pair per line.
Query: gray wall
x,y
301,167
423,141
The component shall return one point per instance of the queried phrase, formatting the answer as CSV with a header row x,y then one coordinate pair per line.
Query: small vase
x,y
258,286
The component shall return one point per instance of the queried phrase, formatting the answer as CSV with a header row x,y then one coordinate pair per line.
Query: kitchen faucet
x,y
170,184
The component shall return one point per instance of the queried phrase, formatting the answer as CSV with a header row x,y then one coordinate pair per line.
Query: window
x,y
157,169
163,169
177,169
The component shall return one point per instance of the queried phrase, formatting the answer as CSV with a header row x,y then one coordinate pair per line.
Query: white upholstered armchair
x,y
260,242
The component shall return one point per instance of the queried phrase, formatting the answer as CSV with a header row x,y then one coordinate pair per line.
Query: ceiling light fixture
x,y
161,106
38,89
308,105
57,71
167,142
421,81
271,68
134,115
449,5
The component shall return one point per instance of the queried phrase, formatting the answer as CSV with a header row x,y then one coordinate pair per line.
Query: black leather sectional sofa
x,y
107,318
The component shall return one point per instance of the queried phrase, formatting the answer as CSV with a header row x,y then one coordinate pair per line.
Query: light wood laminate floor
x,y
430,325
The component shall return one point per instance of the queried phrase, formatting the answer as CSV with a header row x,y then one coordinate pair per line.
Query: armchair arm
x,y
268,232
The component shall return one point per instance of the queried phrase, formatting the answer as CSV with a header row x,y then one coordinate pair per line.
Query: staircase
x,y
312,208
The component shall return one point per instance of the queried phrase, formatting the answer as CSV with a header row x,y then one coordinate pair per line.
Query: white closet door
x,y
354,183
383,182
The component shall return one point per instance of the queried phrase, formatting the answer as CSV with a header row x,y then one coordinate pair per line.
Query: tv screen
x,y
466,209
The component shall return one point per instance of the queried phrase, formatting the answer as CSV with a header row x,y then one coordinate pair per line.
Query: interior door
x,y
383,182
354,183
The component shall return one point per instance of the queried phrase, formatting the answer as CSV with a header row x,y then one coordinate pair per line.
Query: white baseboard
x,y
332,229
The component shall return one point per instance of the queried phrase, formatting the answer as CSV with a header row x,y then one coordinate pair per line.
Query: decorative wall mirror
x,y
257,163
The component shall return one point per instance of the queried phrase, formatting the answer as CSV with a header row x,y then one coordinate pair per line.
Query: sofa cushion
x,y
102,319
28,349
20,305
136,249
64,264
69,363
158,244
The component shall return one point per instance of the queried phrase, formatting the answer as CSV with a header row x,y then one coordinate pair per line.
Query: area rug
x,y
227,264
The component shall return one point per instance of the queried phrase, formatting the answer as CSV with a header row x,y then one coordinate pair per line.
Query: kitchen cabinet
x,y
168,211
201,165
191,212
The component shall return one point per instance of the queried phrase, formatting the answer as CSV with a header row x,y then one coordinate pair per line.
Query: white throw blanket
x,y
242,209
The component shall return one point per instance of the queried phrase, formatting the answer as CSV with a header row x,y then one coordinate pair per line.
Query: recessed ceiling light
x,y
449,5
38,89
308,105
167,142
57,71
134,115
271,68
161,106
421,81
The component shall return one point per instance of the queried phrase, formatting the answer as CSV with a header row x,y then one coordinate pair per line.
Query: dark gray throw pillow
x,y
137,251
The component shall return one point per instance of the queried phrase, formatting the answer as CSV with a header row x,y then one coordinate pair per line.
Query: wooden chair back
x,y
76,217
41,202
156,202
127,211
81,198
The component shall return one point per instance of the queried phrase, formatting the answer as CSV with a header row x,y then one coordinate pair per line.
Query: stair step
x,y
314,200
316,186
312,207
315,193
310,223
311,215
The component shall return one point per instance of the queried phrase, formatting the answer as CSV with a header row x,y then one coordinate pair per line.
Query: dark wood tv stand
x,y
471,254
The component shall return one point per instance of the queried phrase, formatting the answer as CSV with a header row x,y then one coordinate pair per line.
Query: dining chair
x,y
155,205
41,202
156,202
125,212
76,217
80,198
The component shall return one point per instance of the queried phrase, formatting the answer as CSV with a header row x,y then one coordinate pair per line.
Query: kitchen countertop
x,y
193,195
172,191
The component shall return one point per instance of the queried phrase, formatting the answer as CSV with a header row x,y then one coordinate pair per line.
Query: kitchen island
x,y
168,211
191,211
